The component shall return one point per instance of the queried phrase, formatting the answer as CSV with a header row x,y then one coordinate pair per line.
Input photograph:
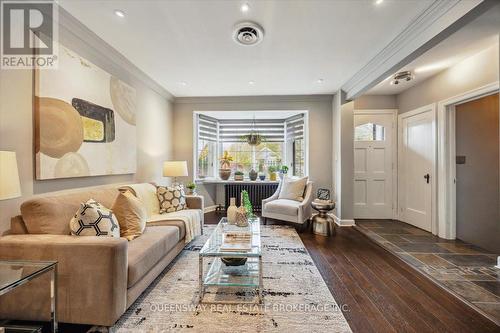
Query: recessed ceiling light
x,y
245,7
320,80
251,83
378,2
183,83
119,13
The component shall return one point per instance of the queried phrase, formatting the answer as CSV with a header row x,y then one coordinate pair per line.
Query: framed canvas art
x,y
85,121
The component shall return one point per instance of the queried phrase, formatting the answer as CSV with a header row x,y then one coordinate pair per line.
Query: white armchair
x,y
288,210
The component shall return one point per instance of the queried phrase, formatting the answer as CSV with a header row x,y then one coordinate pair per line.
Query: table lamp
x,y
175,169
9,176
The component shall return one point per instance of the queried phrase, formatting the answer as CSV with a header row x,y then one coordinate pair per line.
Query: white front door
x,y
373,165
416,167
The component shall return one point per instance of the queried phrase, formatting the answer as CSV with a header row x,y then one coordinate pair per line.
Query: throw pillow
x,y
293,188
172,198
131,214
93,219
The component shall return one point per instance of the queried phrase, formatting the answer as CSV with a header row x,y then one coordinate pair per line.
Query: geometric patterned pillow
x,y
172,198
93,219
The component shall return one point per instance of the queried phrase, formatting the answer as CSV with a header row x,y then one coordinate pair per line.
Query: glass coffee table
x,y
246,276
14,274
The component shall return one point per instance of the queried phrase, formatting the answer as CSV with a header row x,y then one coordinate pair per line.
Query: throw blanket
x,y
191,218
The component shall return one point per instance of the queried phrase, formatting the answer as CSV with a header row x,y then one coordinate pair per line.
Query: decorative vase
x,y
252,175
241,217
272,176
238,177
231,211
262,176
224,174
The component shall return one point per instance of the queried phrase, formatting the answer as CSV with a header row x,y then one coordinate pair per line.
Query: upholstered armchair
x,y
288,210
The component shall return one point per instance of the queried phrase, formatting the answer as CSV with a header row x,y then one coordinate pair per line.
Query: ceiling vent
x,y
402,76
248,33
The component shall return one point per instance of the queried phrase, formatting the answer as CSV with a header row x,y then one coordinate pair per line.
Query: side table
x,y
15,273
322,223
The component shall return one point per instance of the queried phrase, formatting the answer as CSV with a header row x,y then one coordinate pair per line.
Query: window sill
x,y
232,181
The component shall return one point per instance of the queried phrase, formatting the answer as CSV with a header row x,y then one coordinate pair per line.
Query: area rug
x,y
296,299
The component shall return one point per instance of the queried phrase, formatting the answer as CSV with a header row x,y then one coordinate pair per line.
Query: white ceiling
x,y
191,41
477,36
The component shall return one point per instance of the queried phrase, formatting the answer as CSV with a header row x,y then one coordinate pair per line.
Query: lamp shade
x,y
9,176
175,169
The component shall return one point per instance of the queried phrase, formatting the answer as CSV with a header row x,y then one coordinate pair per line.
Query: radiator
x,y
256,192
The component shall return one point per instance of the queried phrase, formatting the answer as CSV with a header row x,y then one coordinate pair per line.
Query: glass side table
x,y
14,274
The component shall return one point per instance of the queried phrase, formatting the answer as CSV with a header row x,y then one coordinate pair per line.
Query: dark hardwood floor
x,y
382,293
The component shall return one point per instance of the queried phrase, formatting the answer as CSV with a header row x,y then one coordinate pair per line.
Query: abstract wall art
x,y
85,121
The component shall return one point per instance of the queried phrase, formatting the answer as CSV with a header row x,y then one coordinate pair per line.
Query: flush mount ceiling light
x,y
119,13
248,33
183,83
402,77
245,7
378,2
251,83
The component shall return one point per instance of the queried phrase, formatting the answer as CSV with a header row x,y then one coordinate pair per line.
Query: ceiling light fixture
x,y
320,80
119,13
251,83
402,77
378,2
245,7
183,83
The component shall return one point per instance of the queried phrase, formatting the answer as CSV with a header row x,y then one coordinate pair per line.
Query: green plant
x,y
284,169
272,169
225,160
191,186
238,173
245,199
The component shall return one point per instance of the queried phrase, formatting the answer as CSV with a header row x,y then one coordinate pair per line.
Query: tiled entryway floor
x,y
464,269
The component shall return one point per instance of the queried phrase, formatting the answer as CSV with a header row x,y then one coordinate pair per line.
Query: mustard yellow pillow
x,y
131,215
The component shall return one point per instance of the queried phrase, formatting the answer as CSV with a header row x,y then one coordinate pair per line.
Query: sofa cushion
x,y
131,215
51,214
145,251
161,219
171,198
146,192
283,206
93,219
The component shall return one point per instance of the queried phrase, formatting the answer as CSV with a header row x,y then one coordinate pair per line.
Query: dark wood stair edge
x,y
429,277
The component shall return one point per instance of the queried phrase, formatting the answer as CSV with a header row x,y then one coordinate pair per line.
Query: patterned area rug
x,y
296,299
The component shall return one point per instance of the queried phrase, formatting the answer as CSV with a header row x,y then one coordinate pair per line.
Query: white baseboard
x,y
210,209
498,263
343,223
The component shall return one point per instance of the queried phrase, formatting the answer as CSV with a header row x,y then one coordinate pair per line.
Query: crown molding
x,y
116,63
410,43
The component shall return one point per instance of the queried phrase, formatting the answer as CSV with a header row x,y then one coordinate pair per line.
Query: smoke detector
x,y
248,33
402,76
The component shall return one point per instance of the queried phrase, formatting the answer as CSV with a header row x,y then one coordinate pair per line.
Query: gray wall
x,y
320,131
478,219
474,72
367,102
154,121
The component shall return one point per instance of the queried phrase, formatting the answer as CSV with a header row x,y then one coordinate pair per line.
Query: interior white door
x,y
373,164
416,165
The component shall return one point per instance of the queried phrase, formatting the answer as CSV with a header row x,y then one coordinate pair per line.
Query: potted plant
x,y
283,171
238,175
272,172
252,175
225,166
191,188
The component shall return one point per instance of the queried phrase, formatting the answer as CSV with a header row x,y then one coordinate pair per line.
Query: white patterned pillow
x,y
93,219
172,198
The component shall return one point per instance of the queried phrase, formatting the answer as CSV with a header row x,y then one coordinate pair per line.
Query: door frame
x,y
447,222
427,108
394,148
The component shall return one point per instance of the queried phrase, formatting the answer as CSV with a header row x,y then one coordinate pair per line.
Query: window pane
x,y
259,158
206,159
369,132
298,158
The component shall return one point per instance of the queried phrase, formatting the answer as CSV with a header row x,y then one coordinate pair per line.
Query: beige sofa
x,y
98,277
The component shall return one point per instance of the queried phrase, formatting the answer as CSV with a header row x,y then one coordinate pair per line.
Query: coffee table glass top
x,y
13,273
213,244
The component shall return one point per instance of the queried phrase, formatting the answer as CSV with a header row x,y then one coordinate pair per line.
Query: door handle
x,y
427,177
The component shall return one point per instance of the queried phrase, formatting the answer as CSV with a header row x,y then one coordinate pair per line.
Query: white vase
x,y
231,211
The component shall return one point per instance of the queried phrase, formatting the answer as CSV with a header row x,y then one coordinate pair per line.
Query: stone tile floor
x,y
463,269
